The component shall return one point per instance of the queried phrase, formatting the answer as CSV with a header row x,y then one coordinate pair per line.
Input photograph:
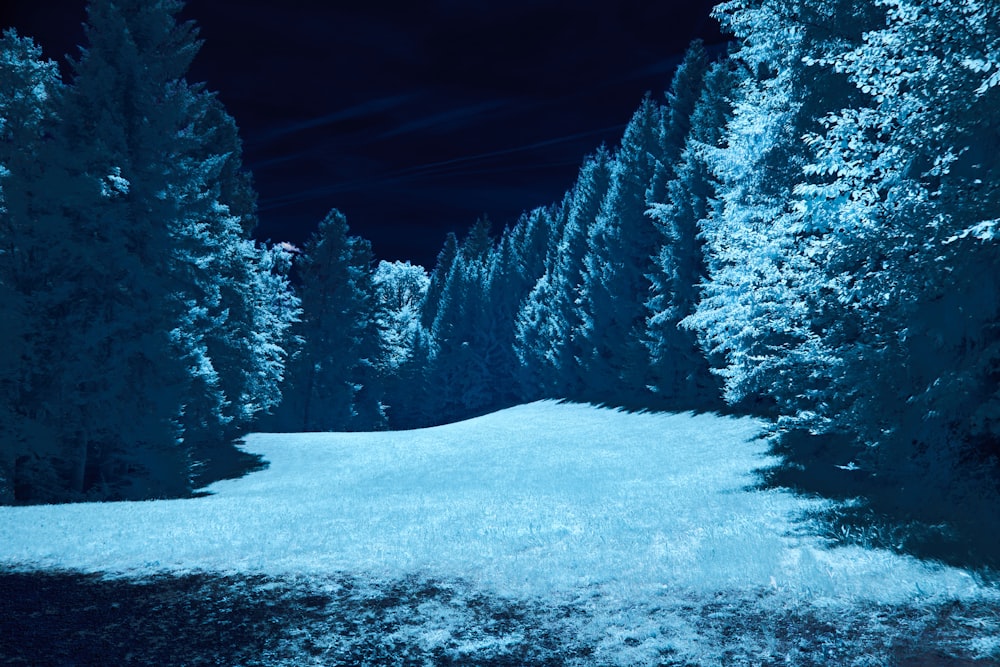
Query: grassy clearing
x,y
542,535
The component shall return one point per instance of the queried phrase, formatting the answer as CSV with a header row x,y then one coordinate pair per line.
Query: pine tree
x,y
119,191
336,294
515,266
679,370
155,319
685,89
621,243
27,88
536,327
568,276
439,276
457,371
547,343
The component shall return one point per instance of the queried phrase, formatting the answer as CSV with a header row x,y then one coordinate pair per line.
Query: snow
x,y
544,500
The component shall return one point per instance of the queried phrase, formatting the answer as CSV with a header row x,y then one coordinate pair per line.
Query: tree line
x,y
804,229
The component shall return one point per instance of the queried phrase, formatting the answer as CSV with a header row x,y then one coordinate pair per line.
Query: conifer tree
x,y
336,294
157,325
400,289
685,89
536,327
515,266
680,371
439,276
120,217
547,340
621,243
27,89
456,368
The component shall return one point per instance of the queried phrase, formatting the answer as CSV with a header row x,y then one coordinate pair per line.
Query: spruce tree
x,y
324,378
399,291
28,86
516,265
621,243
680,371
456,369
439,276
129,340
156,322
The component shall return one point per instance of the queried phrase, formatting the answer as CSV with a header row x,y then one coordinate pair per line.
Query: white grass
x,y
540,500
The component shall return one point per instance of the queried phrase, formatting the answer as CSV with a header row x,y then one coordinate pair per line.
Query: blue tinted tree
x,y
699,104
621,243
336,294
547,339
155,318
27,115
400,289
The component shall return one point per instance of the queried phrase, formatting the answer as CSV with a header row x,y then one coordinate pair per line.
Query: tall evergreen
x,y
439,276
685,89
148,291
457,369
28,86
516,265
547,342
324,377
621,243
679,368
536,327
399,293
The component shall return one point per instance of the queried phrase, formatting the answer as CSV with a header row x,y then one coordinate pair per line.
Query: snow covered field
x,y
618,514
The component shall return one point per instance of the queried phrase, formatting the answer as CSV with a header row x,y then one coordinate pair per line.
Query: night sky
x,y
417,118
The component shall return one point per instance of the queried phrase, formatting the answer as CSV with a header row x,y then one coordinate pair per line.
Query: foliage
x,y
149,329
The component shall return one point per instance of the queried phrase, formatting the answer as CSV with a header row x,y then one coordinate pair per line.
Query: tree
x,y
685,89
681,372
550,314
156,323
903,196
439,276
757,316
27,88
515,266
119,217
400,289
456,371
336,293
621,243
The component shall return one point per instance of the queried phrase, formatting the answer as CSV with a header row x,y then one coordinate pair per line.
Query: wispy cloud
x,y
365,109
448,120
477,164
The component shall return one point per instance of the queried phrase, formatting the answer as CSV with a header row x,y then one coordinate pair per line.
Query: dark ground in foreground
x,y
68,619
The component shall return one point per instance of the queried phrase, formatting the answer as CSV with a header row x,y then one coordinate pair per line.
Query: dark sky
x,y
416,118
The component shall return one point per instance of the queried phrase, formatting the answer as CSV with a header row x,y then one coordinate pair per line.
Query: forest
x,y
804,230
